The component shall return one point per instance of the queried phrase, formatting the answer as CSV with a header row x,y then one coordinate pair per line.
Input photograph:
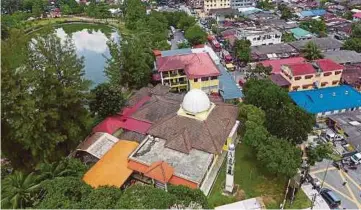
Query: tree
x,y
108,100
318,153
311,51
348,15
195,35
186,197
19,190
286,12
354,41
265,4
63,193
283,118
288,37
185,22
183,45
38,7
132,65
133,11
280,157
145,197
66,167
315,26
47,115
10,6
260,71
101,198
242,50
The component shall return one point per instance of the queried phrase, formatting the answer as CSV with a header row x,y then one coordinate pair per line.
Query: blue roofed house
x,y
327,101
312,13
301,34
228,88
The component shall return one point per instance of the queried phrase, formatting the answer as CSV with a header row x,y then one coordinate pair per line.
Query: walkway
x,y
213,174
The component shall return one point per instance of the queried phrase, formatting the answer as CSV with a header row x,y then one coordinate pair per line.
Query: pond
x,y
90,42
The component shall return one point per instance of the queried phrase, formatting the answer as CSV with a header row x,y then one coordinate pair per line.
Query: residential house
x,y
301,34
195,4
275,51
356,16
242,3
277,64
312,13
327,101
344,57
304,76
324,44
260,36
216,4
351,75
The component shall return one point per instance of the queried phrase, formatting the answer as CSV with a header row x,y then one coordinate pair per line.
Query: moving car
x,y
356,158
330,197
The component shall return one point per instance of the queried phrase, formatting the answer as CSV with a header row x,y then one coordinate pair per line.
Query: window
x,y
204,79
308,76
298,78
214,78
337,72
295,87
327,74
324,84
335,82
196,80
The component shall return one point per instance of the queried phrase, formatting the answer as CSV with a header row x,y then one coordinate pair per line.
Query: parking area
x,y
334,179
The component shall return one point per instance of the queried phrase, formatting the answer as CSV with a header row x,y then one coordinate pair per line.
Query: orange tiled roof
x,y
112,168
160,171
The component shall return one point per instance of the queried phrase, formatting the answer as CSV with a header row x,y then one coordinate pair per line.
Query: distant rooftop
x,y
276,64
300,33
324,44
344,56
227,85
327,99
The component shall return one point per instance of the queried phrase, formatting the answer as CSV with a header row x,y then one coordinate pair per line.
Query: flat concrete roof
x,y
192,166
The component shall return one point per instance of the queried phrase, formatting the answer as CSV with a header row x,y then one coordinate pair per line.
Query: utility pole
x,y
323,180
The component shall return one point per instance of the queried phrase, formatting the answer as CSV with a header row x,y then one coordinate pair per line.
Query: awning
x,y
112,168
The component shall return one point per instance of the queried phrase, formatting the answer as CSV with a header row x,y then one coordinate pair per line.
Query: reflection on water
x,y
92,45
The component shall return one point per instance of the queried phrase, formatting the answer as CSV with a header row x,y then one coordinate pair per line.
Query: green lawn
x,y
253,181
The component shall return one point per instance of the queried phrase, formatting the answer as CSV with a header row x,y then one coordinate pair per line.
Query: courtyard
x,y
254,181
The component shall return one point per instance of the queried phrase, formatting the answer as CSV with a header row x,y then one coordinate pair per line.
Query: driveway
x,y
178,35
350,194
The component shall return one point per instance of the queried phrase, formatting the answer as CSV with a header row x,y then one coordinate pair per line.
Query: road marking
x,y
341,193
353,181
323,170
350,191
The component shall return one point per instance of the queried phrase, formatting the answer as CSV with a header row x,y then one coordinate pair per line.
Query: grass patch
x,y
301,201
253,180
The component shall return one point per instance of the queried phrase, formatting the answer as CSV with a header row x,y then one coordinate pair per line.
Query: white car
x,y
356,158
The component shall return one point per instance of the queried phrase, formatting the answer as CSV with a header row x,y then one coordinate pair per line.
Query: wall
x,y
307,82
211,85
261,39
242,3
176,79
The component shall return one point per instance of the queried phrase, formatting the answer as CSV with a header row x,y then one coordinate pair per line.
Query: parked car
x,y
330,135
330,197
356,158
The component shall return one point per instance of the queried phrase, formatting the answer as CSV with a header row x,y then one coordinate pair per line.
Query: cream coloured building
x,y
216,4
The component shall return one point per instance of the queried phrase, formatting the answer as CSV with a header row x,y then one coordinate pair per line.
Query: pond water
x,y
90,42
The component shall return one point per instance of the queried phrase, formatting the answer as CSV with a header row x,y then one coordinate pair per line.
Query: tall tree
x,y
280,157
242,50
311,51
104,197
66,167
195,35
354,41
51,116
19,190
315,26
108,100
318,153
10,6
133,11
283,118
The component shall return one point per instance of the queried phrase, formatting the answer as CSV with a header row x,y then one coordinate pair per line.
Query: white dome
x,y
196,101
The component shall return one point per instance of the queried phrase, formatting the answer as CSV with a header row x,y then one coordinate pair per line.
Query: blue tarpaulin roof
x,y
176,52
327,99
227,86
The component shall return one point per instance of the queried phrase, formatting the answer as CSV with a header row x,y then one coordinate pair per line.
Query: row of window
x,y
206,78
311,76
307,86
214,5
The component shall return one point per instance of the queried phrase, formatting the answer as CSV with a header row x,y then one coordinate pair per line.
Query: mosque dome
x,y
196,101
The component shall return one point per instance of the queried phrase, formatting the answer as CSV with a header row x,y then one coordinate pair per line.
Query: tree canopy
x,y
242,50
315,26
311,51
195,35
283,118
354,41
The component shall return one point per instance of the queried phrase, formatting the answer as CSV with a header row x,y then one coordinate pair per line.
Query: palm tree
x,y
19,190
311,51
56,169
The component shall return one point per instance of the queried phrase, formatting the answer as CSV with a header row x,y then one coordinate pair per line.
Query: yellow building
x,y
305,76
216,4
189,71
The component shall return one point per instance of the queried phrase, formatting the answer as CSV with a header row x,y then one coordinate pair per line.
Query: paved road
x,y
178,35
350,194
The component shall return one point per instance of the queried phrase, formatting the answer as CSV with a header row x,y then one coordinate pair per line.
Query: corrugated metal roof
x,y
228,87
327,99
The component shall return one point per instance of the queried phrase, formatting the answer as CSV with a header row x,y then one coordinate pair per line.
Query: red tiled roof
x,y
122,120
195,65
328,65
357,15
276,64
160,171
157,53
301,68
